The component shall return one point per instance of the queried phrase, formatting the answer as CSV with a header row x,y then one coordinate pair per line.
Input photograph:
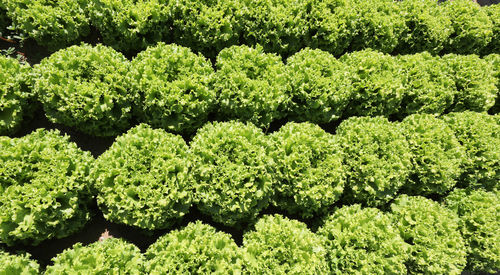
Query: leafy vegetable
x,y
429,85
174,88
251,85
493,12
4,19
45,188
436,245
428,27
479,133
310,175
378,87
196,249
17,264
494,60
331,25
472,27
232,171
475,82
86,87
278,25
379,25
363,241
110,256
437,155
320,86
130,25
282,246
16,97
142,179
54,24
377,158
479,211
206,26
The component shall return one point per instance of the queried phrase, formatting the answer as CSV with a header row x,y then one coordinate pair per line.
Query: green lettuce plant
x,y
479,133
310,176
251,85
4,18
142,179
363,241
279,245
232,171
196,249
320,86
377,82
331,25
16,97
206,26
131,25
280,26
17,264
474,80
377,159
437,155
428,84
472,27
173,87
109,256
45,187
378,25
432,231
494,60
428,27
493,12
86,87
479,211
54,24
